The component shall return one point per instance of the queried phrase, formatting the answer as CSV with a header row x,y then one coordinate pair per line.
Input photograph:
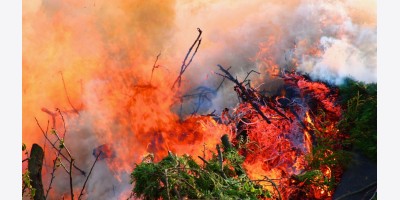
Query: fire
x,y
93,61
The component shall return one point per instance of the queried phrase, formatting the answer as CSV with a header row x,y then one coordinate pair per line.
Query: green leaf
x,y
61,143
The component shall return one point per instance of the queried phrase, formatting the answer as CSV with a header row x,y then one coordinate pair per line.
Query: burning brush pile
x,y
282,147
288,145
103,119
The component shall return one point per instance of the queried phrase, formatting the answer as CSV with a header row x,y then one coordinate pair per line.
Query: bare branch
x,y
219,86
154,67
66,93
204,160
248,73
62,118
186,65
87,178
52,173
70,179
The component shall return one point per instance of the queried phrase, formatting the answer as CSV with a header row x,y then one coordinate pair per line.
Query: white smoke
x,y
348,49
339,61
329,40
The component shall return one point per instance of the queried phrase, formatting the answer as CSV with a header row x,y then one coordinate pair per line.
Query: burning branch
x,y
186,65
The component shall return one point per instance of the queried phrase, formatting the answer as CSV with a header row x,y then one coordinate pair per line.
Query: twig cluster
x,y
248,94
63,153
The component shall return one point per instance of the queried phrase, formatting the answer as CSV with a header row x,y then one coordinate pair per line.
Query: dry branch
x,y
154,67
66,93
186,65
244,92
87,178
52,173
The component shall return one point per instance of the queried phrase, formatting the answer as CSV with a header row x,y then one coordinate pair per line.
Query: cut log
x,y
35,164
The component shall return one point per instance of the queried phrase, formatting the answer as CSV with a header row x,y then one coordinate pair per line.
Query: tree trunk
x,y
35,170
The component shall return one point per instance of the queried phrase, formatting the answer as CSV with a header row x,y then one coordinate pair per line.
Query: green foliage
x,y
310,176
26,183
359,118
61,143
327,153
177,177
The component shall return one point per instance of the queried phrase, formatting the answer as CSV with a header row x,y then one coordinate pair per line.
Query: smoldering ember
x,y
199,100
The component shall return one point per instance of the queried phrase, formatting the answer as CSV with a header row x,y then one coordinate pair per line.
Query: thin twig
x,y
66,93
62,165
65,147
87,178
154,67
62,118
223,79
70,178
248,74
45,141
52,173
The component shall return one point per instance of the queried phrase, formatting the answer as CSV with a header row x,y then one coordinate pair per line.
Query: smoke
x,y
105,51
329,40
345,48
